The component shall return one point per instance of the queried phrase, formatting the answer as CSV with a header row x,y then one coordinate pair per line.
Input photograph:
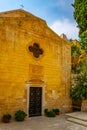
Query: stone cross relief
x,y
36,50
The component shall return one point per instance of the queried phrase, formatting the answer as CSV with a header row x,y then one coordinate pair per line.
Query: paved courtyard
x,y
42,123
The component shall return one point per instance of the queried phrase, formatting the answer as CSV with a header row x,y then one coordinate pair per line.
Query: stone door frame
x,y
28,85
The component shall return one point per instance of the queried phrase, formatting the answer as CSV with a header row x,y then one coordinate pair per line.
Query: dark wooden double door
x,y
35,101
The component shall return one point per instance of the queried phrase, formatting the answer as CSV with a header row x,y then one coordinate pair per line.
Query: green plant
x,y
79,91
51,114
20,115
6,118
46,111
56,110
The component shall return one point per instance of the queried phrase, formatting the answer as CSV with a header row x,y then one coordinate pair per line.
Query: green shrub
x,y
46,111
6,118
20,115
51,114
56,110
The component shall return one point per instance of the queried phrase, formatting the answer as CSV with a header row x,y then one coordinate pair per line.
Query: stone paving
x,y
42,123
78,117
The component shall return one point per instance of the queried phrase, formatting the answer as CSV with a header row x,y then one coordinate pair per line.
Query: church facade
x,y
35,65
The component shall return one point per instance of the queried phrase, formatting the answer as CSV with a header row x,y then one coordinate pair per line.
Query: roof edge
x,y
24,11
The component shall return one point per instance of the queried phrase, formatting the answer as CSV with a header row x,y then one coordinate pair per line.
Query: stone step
x,y
78,115
77,121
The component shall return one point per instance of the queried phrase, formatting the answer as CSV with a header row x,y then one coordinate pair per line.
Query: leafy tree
x,y
80,14
75,51
79,74
83,41
79,88
75,54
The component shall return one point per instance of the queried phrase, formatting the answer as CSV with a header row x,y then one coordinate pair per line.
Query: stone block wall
x,y
16,61
84,106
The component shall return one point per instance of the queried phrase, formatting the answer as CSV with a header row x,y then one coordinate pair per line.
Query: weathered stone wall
x,y
16,61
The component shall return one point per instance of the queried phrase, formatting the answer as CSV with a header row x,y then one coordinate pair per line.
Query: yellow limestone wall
x,y
18,30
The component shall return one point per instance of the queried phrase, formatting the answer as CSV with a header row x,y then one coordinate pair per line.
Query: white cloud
x,y
66,27
57,3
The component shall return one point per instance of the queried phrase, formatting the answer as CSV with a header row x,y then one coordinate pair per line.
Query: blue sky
x,y
57,13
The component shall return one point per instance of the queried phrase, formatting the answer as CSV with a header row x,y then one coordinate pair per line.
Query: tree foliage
x,y
79,73
80,14
83,41
79,88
